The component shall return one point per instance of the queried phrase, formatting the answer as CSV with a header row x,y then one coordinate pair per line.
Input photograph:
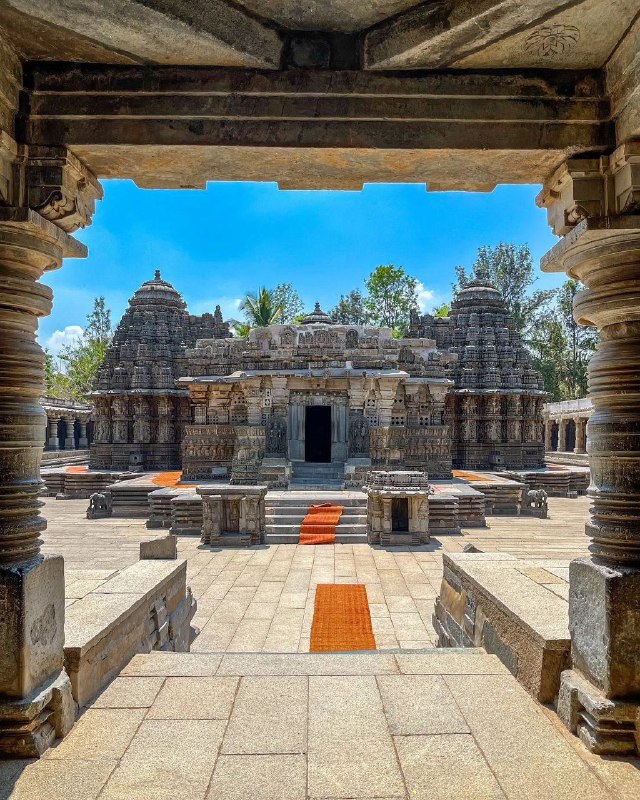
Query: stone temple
x,y
316,402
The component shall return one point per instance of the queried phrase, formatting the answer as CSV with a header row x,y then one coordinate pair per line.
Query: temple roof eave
x,y
333,372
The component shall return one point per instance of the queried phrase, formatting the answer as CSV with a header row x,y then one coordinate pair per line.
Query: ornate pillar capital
x,y
606,186
59,186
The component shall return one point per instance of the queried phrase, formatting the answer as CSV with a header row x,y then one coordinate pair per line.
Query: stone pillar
x,y
83,442
548,429
52,437
562,435
31,585
581,435
69,437
45,193
599,697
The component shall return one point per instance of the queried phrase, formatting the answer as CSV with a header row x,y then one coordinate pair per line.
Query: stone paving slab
x,y
371,735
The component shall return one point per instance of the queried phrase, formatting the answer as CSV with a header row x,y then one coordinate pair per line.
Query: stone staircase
x,y
307,475
286,510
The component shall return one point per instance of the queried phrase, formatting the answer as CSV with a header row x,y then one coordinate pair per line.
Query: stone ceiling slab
x,y
435,34
155,31
344,16
564,41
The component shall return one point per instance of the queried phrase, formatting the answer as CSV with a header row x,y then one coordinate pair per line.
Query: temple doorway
x,y
399,514
317,436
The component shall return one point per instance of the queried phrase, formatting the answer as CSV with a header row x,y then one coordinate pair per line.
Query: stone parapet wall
x,y
481,605
147,606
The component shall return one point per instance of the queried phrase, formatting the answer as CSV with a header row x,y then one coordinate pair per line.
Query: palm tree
x,y
259,309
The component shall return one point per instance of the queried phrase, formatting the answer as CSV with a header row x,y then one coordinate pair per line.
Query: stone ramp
x,y
433,724
286,510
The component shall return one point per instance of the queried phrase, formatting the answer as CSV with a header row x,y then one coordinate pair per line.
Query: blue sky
x,y
217,244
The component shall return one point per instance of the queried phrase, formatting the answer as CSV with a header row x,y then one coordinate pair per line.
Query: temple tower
x,y
140,413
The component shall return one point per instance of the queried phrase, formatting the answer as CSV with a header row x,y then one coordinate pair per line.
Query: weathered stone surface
x,y
604,621
165,547
146,607
494,601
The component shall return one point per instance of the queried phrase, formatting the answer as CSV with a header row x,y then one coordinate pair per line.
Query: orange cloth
x,y
341,619
170,480
77,470
468,476
319,525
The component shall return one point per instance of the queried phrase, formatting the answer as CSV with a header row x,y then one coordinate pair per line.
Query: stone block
x,y
165,547
604,621
32,633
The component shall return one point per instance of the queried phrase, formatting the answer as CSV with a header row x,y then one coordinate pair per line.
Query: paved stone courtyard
x,y
228,721
262,599
204,726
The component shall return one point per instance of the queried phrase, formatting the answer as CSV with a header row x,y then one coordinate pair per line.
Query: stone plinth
x,y
233,516
398,507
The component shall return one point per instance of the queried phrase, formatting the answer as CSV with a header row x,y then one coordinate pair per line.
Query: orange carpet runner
x,y
77,470
341,619
171,480
319,526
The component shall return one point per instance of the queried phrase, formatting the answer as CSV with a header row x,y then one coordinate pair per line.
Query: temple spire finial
x,y
156,276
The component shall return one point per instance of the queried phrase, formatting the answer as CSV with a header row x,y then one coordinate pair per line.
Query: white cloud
x,y
60,339
230,306
426,298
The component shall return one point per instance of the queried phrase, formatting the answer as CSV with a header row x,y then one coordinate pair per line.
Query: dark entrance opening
x,y
555,435
400,514
317,434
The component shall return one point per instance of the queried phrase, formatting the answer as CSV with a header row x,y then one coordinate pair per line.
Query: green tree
x,y
510,268
561,348
443,310
392,296
285,296
83,359
581,341
259,309
350,309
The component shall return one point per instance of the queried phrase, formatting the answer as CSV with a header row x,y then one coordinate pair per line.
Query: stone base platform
x,y
146,606
568,459
517,609
431,724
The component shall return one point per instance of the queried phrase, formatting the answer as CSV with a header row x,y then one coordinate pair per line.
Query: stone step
x,y
276,527
296,519
279,537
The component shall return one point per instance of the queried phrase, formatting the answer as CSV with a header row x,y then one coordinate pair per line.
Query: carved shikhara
x,y
60,187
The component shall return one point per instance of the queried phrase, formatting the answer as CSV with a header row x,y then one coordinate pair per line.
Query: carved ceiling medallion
x,y
552,40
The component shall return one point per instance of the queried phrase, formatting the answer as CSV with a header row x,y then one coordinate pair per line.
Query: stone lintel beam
x,y
439,33
168,126
162,31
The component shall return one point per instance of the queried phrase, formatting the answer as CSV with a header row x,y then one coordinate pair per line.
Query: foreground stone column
x,y
35,693
52,439
599,698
